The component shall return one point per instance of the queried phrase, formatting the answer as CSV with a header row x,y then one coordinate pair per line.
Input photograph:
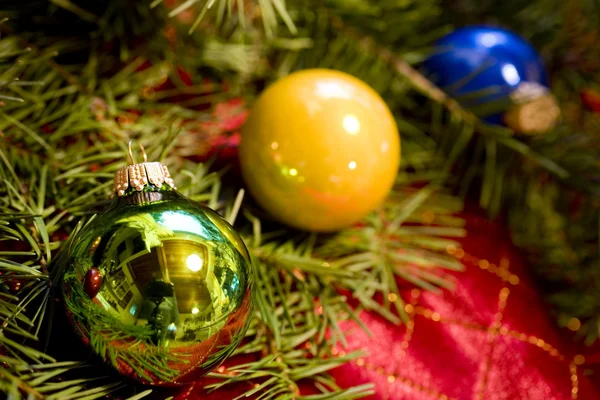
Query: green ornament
x,y
158,285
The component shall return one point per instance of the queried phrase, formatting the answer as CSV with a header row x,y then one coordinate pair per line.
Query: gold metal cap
x,y
138,176
535,110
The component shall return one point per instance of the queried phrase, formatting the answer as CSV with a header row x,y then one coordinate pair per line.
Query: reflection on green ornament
x,y
175,297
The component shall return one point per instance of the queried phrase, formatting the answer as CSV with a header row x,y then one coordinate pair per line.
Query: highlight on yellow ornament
x,y
320,150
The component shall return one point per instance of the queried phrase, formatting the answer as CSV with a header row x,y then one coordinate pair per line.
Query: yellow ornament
x,y
320,150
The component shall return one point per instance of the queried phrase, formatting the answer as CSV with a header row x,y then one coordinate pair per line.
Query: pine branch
x,y
62,187
401,67
67,120
223,11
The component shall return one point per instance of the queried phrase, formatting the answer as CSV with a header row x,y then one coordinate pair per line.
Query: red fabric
x,y
458,353
491,338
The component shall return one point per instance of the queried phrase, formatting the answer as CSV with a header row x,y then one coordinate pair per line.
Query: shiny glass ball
x,y
320,150
478,64
160,287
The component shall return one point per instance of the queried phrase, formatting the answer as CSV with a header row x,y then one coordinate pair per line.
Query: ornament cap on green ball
x,y
320,150
158,285
140,177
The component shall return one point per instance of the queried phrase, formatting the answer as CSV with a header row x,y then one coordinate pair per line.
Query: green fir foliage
x,y
78,81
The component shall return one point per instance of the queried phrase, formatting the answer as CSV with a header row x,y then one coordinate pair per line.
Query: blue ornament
x,y
479,64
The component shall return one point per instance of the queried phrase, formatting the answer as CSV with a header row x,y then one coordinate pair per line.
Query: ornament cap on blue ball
x,y
491,66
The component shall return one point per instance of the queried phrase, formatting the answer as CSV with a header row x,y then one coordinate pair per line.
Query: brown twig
x,y
414,77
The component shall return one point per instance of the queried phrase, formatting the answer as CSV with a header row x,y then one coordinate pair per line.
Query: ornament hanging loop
x,y
144,155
